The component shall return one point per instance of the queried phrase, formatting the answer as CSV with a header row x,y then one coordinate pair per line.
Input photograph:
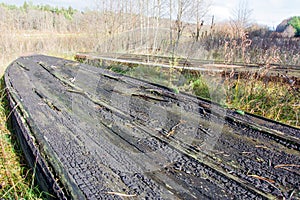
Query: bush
x,y
295,22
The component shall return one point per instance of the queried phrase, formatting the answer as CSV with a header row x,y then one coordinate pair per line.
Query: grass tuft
x,y
273,100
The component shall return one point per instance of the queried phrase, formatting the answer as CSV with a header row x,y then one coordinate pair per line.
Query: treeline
x,y
177,27
38,17
110,17
68,13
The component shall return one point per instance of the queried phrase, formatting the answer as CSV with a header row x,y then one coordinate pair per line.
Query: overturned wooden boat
x,y
94,134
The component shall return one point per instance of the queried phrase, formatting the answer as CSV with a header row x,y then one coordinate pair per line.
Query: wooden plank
x,y
103,135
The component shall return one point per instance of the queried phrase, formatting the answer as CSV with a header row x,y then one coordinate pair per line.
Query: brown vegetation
x,y
139,28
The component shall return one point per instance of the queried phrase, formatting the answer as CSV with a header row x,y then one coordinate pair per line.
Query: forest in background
x,y
166,27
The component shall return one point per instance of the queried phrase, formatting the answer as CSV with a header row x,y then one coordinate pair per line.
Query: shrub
x,y
295,22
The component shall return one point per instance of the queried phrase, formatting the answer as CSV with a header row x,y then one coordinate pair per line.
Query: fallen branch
x,y
262,178
286,165
121,194
171,132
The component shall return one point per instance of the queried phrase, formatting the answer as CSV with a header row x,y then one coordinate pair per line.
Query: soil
x,y
95,134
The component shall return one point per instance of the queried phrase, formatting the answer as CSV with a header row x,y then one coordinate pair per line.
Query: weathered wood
x,y
95,134
274,73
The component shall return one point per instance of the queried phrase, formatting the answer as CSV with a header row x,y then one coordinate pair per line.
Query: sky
x,y
267,12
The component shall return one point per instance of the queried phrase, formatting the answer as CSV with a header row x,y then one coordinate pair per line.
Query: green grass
x,y
273,100
16,178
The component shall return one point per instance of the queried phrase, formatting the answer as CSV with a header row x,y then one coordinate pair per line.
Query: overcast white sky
x,y
269,12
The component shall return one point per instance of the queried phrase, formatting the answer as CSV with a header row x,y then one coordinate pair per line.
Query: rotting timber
x,y
94,134
268,72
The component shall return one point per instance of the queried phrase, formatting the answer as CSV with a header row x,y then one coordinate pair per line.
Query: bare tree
x,y
201,7
186,11
241,17
184,8
157,8
170,18
178,9
141,10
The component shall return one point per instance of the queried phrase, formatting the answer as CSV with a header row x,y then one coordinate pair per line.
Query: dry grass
x,y
15,45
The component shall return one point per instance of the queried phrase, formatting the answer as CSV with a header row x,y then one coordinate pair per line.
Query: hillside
x,y
289,27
